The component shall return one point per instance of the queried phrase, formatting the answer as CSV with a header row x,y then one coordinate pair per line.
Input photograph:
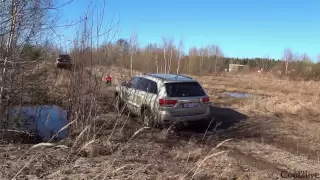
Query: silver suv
x,y
162,99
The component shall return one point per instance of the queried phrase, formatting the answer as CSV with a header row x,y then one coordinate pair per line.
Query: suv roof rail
x,y
184,76
154,75
162,77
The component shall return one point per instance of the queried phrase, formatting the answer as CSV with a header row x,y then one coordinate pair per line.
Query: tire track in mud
x,y
284,143
259,131
237,154
259,163
294,147
254,160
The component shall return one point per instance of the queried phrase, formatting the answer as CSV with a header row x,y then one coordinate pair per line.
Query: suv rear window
x,y
184,89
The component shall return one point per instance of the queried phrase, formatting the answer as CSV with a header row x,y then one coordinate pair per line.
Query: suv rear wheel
x,y
147,118
118,104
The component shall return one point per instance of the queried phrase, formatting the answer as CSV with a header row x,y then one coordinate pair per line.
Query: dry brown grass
x,y
273,96
281,133
260,84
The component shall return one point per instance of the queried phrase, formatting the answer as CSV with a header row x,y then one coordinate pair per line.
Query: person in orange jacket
x,y
108,80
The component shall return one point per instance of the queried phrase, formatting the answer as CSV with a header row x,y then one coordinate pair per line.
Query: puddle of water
x,y
45,120
238,94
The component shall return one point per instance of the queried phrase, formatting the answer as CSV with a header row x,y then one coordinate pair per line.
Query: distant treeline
x,y
170,58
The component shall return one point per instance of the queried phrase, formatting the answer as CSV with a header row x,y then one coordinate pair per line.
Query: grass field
x,y
274,132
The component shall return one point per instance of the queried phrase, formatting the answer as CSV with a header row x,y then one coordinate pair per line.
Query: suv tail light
x,y
167,103
206,100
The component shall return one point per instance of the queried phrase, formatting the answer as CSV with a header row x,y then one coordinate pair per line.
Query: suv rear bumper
x,y
165,117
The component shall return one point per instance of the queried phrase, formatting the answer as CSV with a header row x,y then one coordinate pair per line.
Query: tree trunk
x,y
131,64
178,65
215,65
286,66
157,65
170,60
165,59
8,49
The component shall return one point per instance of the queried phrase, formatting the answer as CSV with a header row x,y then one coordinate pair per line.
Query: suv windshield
x,y
184,89
64,58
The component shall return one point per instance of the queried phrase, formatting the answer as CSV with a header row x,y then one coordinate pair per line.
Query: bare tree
x,y
193,52
287,57
180,55
305,57
157,62
201,51
168,48
21,23
211,54
14,15
164,53
218,54
265,64
133,47
155,57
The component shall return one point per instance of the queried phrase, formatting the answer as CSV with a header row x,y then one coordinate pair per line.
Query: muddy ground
x,y
258,143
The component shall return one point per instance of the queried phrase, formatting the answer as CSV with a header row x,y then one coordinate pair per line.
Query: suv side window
x,y
133,82
152,87
147,85
142,84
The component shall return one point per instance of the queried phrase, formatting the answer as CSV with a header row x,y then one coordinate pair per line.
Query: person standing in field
x,y
108,80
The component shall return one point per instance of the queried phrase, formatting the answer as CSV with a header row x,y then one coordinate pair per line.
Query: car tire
x,y
147,118
118,105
